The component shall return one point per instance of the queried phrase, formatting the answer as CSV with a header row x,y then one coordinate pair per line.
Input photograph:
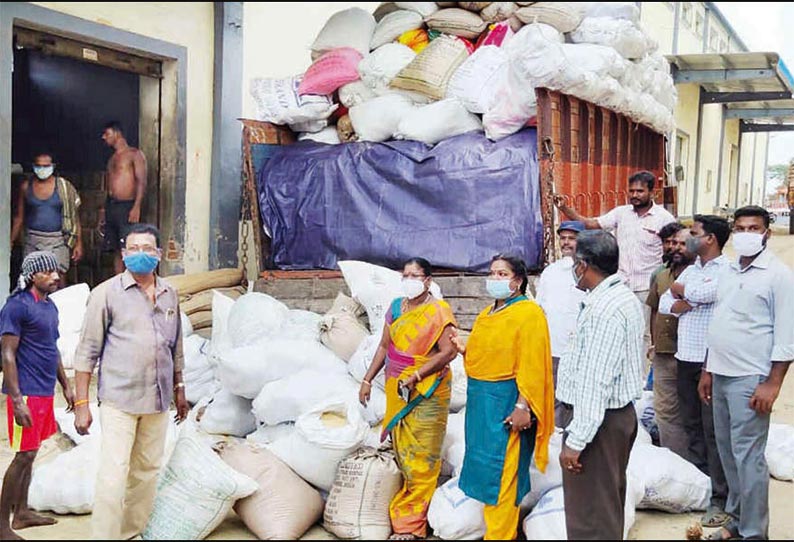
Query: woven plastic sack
x,y
394,25
429,73
351,27
329,72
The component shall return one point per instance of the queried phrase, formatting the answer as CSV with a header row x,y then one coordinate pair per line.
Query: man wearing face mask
x,y
750,346
664,330
600,377
559,297
132,329
691,297
48,214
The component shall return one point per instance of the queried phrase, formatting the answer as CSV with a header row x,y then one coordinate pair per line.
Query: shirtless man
x,y
126,185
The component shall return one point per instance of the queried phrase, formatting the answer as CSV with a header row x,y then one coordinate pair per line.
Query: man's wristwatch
x,y
179,385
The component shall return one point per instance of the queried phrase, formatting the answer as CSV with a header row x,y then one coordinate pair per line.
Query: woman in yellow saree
x,y
510,398
416,348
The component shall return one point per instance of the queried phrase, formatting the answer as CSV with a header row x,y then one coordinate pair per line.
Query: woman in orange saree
x,y
416,349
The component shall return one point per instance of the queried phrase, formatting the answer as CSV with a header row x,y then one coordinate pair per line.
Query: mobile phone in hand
x,y
404,393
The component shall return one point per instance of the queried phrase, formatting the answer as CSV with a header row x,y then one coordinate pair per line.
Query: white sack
x,y
360,361
454,516
460,384
378,68
301,325
378,119
541,483
187,326
244,371
393,25
322,438
477,81
327,135
454,447
266,434
227,414
278,101
780,451
351,27
437,121
221,340
287,399
620,34
423,8
354,93
255,316
672,484
71,303
196,491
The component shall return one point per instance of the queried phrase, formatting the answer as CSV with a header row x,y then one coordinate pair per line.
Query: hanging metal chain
x,y
245,215
548,227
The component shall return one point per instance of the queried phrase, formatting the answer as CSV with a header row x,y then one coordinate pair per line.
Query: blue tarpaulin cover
x,y
457,203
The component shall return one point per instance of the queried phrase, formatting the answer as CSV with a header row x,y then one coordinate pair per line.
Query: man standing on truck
x,y
126,187
636,227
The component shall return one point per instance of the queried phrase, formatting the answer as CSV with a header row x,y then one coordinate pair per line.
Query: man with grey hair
x,y
599,378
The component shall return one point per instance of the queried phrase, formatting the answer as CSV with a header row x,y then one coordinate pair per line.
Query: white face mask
x,y
748,243
43,172
412,288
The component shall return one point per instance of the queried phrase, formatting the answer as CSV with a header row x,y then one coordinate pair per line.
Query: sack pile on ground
x,y
428,71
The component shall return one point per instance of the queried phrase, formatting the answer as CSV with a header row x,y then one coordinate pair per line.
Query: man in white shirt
x,y
750,346
559,297
636,227
691,297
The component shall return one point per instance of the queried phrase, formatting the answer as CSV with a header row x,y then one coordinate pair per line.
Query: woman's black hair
x,y
427,269
518,267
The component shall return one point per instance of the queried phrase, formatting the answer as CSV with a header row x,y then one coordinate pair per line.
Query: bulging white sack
x,y
266,434
378,119
360,361
454,516
196,491
351,27
393,25
327,135
322,438
477,81
460,384
672,484
378,68
287,399
187,326
301,326
255,316
278,101
244,371
454,447
780,451
437,121
71,303
620,34
227,414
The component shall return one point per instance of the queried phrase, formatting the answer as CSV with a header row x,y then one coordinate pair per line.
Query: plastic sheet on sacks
x,y
386,202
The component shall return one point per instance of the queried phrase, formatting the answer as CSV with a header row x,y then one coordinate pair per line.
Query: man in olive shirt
x,y
664,330
132,329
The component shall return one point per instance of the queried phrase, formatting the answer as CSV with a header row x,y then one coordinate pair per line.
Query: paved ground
x,y
648,526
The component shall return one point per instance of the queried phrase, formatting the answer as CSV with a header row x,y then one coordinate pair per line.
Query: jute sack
x,y
458,22
429,73
202,301
197,282
283,507
342,333
358,504
564,16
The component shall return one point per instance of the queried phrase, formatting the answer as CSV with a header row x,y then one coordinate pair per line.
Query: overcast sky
x,y
767,26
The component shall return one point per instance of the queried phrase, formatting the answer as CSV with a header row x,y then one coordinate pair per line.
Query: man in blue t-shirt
x,y
31,364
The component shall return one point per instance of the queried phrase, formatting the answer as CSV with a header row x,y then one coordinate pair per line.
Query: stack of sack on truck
x,y
427,71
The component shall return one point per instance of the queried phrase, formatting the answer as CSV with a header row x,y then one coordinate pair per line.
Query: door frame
x,y
173,133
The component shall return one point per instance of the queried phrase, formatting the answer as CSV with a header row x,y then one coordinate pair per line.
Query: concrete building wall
x,y
278,38
189,24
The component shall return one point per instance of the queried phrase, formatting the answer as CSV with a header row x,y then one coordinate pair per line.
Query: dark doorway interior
x,y
60,105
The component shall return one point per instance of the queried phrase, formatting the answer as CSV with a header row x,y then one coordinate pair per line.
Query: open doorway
x,y
63,93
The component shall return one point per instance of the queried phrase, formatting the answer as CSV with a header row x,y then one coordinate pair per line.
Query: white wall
x,y
278,36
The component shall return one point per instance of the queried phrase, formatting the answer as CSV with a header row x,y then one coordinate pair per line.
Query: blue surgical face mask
x,y
141,263
498,289
43,172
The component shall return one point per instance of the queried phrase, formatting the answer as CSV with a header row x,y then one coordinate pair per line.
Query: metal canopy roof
x,y
757,87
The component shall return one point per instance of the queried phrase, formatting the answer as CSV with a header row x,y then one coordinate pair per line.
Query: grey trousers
x,y
669,418
741,439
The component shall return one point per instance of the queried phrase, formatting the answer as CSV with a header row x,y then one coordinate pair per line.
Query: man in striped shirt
x,y
691,297
599,377
636,227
